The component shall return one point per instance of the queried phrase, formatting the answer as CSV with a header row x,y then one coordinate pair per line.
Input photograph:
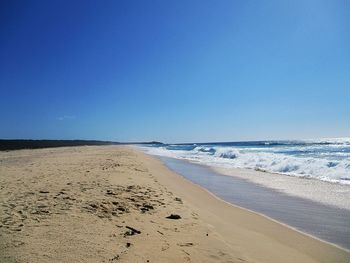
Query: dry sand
x,y
110,203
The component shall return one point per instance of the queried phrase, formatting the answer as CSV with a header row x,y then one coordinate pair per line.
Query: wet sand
x,y
329,223
115,204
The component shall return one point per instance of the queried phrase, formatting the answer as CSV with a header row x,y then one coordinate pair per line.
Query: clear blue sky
x,y
175,71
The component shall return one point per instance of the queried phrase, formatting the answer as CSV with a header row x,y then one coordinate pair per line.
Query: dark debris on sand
x,y
174,216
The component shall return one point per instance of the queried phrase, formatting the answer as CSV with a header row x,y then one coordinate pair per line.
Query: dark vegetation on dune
x,y
36,144
6,145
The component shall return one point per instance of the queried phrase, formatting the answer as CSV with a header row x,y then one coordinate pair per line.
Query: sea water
x,y
326,159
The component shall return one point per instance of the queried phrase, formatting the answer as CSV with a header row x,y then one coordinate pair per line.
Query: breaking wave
x,y
327,160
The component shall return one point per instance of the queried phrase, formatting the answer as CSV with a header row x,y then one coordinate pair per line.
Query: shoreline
x,y
308,188
306,235
81,224
191,172
318,190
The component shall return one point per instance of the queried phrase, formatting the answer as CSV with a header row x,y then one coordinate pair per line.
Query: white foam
x,y
319,191
326,169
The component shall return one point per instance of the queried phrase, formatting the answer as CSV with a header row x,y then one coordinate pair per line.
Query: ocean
x,y
324,159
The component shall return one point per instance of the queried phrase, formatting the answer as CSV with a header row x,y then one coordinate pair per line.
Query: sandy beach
x,y
116,204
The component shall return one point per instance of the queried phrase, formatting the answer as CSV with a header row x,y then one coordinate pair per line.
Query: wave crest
x,y
333,166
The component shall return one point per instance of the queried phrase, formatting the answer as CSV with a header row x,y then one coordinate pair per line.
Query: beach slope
x,y
116,204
